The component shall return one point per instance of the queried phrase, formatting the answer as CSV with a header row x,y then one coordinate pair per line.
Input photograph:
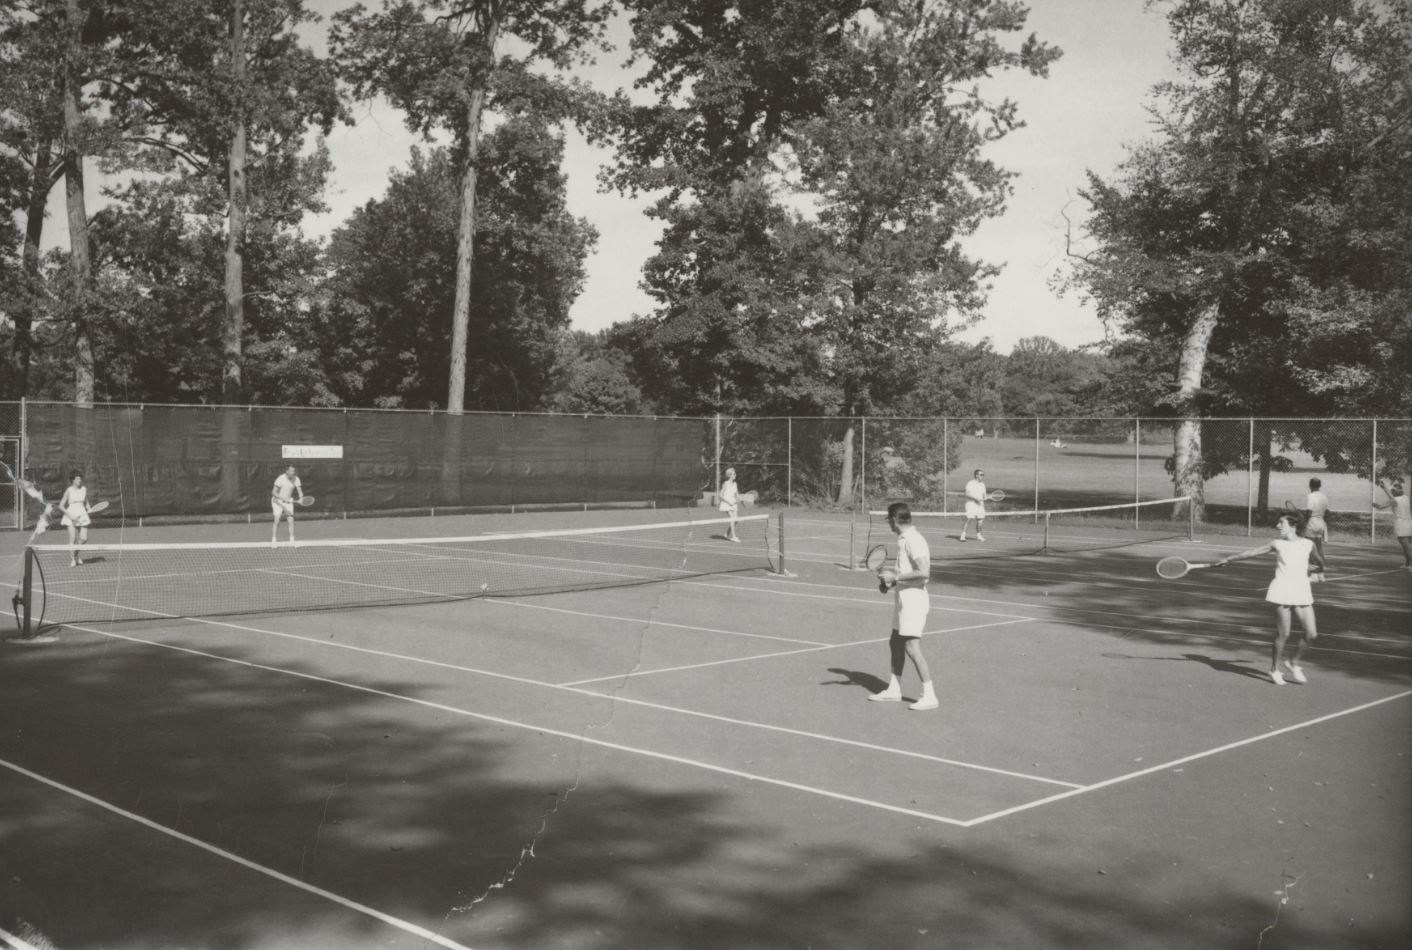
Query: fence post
x,y
789,463
716,487
946,458
1250,483
1036,466
1137,471
1373,489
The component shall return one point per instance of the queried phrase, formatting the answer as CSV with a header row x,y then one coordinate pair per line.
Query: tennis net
x,y
147,581
1044,531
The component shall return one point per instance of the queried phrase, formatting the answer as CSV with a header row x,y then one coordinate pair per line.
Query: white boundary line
x,y
1119,779
537,729
352,905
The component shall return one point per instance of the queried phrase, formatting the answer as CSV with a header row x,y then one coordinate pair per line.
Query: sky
x,y
1092,104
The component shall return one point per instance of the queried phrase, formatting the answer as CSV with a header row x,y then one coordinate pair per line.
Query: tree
x,y
862,113
439,61
392,279
1238,243
1043,378
594,376
220,95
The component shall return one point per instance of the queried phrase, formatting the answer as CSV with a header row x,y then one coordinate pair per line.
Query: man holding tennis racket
x,y
910,607
975,505
1402,519
287,489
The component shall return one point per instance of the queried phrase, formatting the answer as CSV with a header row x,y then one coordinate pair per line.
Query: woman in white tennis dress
x,y
1290,592
74,505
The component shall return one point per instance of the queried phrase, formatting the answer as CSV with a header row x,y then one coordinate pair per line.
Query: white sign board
x,y
313,451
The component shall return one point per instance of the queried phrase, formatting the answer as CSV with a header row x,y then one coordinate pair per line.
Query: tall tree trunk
x,y
233,327
845,476
80,257
466,240
22,351
1187,476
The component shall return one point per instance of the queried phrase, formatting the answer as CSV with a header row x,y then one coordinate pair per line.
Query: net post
x,y
27,594
780,527
1044,548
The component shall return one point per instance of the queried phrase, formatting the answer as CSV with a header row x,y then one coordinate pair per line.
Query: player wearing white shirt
x,y
975,504
74,505
1402,521
910,608
1317,504
282,496
730,503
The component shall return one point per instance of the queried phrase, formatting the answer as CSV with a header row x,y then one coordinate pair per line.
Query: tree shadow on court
x,y
502,838
1362,614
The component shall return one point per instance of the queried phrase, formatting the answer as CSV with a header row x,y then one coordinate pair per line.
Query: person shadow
x,y
865,681
1234,667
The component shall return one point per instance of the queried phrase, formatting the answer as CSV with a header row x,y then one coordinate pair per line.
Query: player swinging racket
x,y
1290,592
910,607
1398,501
286,491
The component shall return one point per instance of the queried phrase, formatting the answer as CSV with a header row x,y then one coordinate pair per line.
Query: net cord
x,y
359,542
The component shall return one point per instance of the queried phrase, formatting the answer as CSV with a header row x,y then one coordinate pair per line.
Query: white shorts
x,y
909,611
278,507
1403,529
1316,528
974,509
76,516
728,508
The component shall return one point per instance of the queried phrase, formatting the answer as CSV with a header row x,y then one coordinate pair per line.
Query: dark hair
x,y
1298,519
75,474
1315,483
899,512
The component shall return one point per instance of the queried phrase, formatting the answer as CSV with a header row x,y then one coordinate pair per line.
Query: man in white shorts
x,y
1317,504
282,495
975,504
909,609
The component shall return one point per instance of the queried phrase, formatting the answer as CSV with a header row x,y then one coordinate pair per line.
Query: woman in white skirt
x,y
74,505
1295,559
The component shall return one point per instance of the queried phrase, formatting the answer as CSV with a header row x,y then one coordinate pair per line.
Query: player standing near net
x,y
282,497
1290,592
1317,504
975,504
74,504
730,503
910,608
1401,507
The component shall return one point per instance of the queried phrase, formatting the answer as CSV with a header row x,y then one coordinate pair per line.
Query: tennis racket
x,y
305,501
101,506
996,495
749,498
1171,568
876,561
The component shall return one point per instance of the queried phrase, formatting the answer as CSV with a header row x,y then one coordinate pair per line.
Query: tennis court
x,y
687,759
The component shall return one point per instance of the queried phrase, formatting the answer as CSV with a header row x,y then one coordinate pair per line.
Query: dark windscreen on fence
x,y
153,461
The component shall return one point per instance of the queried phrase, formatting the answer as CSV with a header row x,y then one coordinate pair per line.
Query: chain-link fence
x,y
1250,468
223,457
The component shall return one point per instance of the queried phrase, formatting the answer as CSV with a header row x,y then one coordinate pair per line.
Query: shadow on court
x,y
510,839
1363,613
